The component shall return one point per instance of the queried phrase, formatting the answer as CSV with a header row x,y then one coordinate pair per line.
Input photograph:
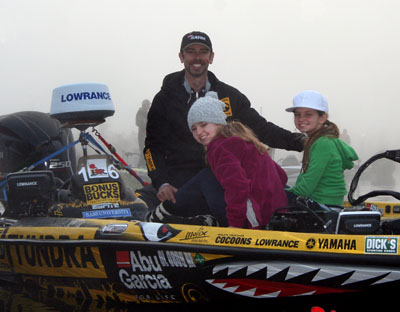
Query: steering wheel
x,y
392,155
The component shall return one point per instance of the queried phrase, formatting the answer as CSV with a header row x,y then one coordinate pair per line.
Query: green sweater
x,y
324,180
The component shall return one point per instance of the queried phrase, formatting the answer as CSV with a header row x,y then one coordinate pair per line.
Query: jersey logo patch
x,y
149,160
228,108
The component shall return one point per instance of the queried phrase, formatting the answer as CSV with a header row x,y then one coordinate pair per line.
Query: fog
x,y
268,49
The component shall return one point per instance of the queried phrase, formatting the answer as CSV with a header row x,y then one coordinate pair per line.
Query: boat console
x,y
309,216
358,222
30,193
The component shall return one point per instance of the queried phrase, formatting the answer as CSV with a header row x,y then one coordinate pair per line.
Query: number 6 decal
x,y
112,172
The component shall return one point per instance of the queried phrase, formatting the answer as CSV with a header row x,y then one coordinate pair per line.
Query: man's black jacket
x,y
172,154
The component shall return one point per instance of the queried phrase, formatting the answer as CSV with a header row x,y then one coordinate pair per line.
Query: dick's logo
x,y
381,245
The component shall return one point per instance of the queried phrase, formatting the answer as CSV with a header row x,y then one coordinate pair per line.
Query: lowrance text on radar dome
x,y
81,101
85,96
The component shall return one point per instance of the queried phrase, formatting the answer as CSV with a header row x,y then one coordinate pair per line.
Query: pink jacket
x,y
253,183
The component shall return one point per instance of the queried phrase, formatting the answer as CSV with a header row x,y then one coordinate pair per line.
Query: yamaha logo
x,y
310,243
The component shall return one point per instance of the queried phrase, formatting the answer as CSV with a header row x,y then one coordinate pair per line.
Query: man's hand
x,y
166,192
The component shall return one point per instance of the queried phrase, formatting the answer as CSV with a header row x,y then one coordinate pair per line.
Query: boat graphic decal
x,y
285,279
158,232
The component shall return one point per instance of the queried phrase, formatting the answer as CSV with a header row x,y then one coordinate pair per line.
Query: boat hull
x,y
137,262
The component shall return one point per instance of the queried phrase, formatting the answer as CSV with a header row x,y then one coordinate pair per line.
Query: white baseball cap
x,y
309,99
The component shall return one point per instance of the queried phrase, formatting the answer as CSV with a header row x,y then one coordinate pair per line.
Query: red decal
x,y
123,259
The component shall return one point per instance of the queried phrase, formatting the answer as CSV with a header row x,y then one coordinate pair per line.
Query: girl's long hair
x,y
236,128
329,129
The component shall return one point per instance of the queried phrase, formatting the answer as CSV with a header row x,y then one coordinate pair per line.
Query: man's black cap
x,y
196,37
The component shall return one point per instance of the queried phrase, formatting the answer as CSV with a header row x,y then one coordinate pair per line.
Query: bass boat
x,y
81,241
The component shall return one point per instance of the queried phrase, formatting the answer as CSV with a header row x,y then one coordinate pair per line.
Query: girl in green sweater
x,y
325,155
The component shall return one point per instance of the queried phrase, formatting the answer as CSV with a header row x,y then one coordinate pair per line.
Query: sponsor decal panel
x,y
143,271
243,240
204,235
109,213
290,243
332,244
381,245
337,244
97,168
55,260
102,193
199,235
232,239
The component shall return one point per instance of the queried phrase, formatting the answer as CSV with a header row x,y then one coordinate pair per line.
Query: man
x,y
172,155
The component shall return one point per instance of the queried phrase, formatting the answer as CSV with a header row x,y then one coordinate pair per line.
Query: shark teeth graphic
x,y
391,277
283,279
252,292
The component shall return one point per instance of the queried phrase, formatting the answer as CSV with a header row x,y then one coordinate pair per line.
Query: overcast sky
x,y
269,49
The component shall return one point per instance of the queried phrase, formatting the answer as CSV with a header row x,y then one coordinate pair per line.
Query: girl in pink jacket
x,y
244,186
252,182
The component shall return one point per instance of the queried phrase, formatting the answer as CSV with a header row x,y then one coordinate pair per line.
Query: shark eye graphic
x,y
157,232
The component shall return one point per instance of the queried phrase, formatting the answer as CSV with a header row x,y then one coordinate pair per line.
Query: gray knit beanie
x,y
207,109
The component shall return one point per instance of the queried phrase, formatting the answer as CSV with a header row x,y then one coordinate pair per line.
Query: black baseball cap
x,y
196,37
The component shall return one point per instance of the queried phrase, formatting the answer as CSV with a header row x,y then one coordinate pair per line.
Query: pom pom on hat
x,y
207,109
